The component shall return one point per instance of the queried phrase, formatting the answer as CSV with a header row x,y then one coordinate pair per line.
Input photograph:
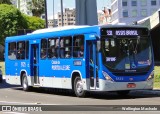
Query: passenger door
x,y
92,65
35,63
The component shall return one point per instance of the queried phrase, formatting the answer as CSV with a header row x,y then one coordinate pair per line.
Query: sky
x,y
70,4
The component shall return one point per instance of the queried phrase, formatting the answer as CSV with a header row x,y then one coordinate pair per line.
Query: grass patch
x,y
157,77
2,64
156,85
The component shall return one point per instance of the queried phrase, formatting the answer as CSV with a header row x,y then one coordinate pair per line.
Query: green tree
x,y
33,22
36,7
5,2
10,21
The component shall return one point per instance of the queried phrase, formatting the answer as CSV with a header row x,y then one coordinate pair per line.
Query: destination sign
x,y
124,32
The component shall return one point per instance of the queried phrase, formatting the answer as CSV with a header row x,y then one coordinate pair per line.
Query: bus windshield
x,y
127,54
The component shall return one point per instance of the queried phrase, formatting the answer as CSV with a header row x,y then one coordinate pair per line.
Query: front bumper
x,y
117,86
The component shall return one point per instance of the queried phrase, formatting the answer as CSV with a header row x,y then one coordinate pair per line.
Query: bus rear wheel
x,y
78,87
123,93
25,83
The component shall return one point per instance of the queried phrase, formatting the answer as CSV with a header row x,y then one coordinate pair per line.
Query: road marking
x,y
15,102
13,113
21,103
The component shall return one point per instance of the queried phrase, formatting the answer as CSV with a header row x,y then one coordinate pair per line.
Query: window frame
x,y
134,3
124,3
153,2
78,47
21,51
43,50
144,12
143,2
125,13
134,11
12,51
55,47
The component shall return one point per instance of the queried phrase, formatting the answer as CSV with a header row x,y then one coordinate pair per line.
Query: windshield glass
x,y
126,54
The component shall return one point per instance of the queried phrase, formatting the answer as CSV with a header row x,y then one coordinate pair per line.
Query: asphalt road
x,y
64,100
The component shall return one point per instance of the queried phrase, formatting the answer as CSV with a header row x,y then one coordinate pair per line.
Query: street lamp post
x,y
62,12
53,14
46,17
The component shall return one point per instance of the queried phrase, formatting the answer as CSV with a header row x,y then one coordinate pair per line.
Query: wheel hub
x,y
79,87
25,83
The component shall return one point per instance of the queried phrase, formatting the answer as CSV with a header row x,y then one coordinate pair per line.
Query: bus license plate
x,y
131,85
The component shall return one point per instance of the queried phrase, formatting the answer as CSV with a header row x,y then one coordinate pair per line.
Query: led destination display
x,y
124,32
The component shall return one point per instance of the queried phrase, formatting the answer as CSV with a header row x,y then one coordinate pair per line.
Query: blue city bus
x,y
82,58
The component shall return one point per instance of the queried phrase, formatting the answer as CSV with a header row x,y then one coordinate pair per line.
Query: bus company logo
x,y
60,67
55,62
131,79
23,64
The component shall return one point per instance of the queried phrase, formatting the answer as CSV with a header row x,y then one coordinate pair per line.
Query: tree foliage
x,y
36,7
10,20
34,23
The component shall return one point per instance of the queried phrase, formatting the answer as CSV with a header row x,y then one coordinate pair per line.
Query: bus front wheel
x,y
78,87
25,83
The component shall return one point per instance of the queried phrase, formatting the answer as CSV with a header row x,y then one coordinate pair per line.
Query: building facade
x,y
130,11
52,23
22,6
68,17
104,16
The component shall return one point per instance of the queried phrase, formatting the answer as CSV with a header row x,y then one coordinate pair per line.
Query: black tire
x,y
123,93
1,79
25,83
78,87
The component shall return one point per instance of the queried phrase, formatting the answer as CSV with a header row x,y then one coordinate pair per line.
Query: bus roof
x,y
57,29
55,32
65,31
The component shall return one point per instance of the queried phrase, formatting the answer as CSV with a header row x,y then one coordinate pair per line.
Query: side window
x,y
53,44
43,48
12,51
61,46
68,46
78,46
21,50
27,49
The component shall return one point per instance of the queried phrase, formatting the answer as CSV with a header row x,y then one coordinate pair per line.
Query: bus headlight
x,y
151,76
107,76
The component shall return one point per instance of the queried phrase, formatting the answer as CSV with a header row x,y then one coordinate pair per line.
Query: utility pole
x,y
62,12
46,16
18,4
86,12
53,14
